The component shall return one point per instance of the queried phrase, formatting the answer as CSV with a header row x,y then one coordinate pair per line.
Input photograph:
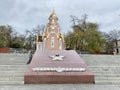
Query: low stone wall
x,y
4,50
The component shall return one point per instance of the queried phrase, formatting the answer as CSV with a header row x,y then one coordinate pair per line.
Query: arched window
x,y
52,21
52,42
44,43
60,43
39,46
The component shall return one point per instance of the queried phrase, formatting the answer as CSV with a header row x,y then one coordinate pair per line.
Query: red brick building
x,y
4,50
52,39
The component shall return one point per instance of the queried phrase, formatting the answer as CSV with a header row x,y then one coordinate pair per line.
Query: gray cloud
x,y
26,14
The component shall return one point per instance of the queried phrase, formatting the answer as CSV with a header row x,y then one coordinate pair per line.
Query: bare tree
x,y
113,35
31,35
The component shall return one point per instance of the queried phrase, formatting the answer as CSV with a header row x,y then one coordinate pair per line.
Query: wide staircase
x,y
12,68
106,68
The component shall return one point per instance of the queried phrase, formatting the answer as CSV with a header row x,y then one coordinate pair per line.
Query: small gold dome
x,y
53,15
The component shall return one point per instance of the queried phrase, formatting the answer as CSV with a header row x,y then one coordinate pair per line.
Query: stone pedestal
x,y
71,60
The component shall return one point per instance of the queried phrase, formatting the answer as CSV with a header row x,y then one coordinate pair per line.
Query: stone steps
x,y
106,75
19,63
9,82
107,78
12,72
111,70
12,68
14,64
106,68
107,82
11,62
10,78
99,67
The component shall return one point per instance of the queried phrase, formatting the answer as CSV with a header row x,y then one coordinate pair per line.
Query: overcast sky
x,y
27,14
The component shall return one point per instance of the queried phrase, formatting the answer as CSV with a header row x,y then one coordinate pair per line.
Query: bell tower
x,y
52,38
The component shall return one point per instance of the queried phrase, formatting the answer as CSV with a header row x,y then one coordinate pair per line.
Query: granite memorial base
x,y
58,67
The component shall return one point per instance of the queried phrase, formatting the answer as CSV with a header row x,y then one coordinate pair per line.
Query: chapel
x,y
52,38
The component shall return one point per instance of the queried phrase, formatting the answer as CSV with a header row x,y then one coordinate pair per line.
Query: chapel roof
x,y
53,15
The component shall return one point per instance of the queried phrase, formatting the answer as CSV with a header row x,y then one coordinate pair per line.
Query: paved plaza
x,y
105,67
60,87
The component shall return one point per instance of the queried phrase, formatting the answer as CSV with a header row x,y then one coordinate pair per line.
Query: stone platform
x,y
71,60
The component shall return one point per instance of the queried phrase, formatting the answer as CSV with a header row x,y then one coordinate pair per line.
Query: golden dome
x,y
53,15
